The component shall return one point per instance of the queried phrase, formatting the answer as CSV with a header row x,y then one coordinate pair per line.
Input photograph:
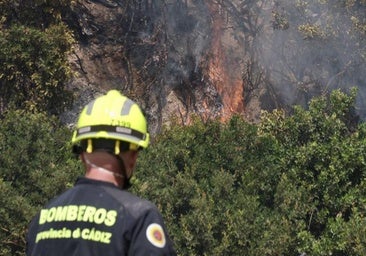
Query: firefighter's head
x,y
111,123
112,117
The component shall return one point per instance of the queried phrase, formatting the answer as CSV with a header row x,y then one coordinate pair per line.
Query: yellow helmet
x,y
113,117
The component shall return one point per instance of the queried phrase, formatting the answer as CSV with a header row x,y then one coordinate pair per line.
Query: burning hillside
x,y
210,58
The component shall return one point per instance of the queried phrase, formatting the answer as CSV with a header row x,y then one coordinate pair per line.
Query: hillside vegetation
x,y
291,184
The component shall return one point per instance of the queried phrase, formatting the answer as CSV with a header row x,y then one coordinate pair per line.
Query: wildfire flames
x,y
222,68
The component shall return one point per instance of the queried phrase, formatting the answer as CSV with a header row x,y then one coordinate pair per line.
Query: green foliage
x,y
38,13
35,162
34,67
35,165
202,177
34,45
289,185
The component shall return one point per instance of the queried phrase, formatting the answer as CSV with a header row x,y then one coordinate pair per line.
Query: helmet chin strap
x,y
127,183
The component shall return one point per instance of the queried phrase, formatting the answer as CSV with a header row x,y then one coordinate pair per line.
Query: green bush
x,y
34,69
289,185
35,165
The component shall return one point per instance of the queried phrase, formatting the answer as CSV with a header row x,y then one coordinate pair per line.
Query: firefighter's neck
x,y
103,166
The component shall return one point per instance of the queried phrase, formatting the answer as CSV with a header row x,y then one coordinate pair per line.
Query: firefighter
x,y
98,216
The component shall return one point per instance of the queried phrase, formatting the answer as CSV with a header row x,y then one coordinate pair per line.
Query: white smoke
x,y
311,48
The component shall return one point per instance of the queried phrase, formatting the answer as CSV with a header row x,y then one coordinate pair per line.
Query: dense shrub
x,y
34,47
35,165
289,185
34,70
286,186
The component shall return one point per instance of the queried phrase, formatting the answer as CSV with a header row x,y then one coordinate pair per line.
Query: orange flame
x,y
228,83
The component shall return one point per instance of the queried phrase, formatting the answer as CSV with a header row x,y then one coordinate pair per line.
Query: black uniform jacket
x,y
97,218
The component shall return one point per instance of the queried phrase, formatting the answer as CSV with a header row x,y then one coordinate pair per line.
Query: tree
x,y
35,164
321,186
34,46
291,184
203,179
